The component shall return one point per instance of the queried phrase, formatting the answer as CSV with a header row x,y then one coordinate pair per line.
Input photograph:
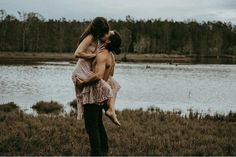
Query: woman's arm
x,y
80,52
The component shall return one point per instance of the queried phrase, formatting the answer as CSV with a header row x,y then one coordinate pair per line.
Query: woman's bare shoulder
x,y
87,41
89,38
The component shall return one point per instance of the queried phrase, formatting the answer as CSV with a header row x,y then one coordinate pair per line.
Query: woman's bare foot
x,y
113,117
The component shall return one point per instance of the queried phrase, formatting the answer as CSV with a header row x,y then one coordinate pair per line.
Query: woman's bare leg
x,y
110,112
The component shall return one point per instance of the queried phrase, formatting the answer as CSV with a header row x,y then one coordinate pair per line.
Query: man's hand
x,y
79,82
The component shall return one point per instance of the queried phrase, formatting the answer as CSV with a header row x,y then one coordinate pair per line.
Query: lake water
x,y
205,88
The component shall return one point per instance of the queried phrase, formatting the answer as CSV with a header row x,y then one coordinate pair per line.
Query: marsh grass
x,y
143,132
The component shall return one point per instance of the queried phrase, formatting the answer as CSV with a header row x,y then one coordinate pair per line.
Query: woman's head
x,y
114,42
98,28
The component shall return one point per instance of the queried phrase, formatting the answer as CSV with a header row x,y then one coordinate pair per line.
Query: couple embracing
x,y
95,87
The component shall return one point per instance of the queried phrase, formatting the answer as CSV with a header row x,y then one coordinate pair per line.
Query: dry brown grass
x,y
151,132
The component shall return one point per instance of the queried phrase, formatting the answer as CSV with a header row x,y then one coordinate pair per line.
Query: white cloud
x,y
224,10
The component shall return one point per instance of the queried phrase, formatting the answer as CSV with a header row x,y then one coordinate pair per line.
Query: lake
x,y
203,87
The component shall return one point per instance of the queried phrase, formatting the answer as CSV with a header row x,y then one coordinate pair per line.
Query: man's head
x,y
113,42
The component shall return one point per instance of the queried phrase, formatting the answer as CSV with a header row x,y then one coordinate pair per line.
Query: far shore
x,y
30,57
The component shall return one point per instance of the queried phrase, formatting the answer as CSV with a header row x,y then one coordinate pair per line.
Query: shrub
x,y
51,107
8,107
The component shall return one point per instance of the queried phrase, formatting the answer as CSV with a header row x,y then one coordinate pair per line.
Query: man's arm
x,y
114,64
80,52
113,69
100,68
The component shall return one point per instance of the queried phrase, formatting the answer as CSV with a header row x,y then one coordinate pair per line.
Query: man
x,y
93,112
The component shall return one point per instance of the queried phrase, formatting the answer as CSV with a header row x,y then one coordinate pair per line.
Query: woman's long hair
x,y
97,28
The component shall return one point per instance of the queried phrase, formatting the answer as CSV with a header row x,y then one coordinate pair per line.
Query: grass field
x,y
143,132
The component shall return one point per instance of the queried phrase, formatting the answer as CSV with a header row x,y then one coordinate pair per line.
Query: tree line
x,y
30,32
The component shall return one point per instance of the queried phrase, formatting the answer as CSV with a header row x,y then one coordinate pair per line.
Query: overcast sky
x,y
180,10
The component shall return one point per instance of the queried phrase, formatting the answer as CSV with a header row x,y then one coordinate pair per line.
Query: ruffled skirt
x,y
95,93
86,95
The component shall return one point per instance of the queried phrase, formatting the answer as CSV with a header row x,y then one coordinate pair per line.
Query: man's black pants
x,y
95,129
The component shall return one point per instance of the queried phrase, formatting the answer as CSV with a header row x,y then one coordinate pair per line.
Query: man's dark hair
x,y
115,43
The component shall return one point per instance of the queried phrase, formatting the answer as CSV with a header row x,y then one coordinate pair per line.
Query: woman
x,y
86,51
